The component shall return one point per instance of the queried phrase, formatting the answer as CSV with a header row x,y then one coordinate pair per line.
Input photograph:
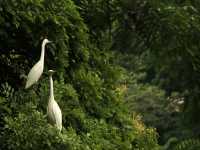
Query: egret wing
x,y
51,114
34,74
58,115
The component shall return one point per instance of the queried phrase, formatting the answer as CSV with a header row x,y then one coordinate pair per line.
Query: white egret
x,y
37,69
54,113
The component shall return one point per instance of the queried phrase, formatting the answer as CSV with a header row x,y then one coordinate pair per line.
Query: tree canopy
x,y
86,82
127,74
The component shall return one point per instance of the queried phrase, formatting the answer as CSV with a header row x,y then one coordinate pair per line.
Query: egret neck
x,y
51,88
42,52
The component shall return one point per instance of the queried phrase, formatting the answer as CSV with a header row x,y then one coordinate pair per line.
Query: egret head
x,y
50,72
45,41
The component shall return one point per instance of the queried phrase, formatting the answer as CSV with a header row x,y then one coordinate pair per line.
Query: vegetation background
x,y
127,74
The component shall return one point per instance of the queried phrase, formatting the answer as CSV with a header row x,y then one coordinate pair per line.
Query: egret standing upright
x,y
37,69
53,110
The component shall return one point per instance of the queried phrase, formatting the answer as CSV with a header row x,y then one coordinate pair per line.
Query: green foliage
x,y
147,136
167,32
189,144
31,131
156,110
99,17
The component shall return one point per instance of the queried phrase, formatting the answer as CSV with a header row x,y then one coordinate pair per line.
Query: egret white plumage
x,y
36,71
54,113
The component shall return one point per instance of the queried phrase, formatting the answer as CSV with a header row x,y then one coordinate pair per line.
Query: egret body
x,y
53,110
36,71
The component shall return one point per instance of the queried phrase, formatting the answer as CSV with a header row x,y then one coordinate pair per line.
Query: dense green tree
x,y
168,31
86,83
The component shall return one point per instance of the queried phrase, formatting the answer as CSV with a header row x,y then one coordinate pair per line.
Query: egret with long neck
x,y
54,113
37,70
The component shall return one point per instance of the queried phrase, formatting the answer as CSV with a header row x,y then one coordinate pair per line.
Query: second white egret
x,y
54,113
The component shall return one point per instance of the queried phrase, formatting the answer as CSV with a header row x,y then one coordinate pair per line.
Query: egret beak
x,y
50,41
